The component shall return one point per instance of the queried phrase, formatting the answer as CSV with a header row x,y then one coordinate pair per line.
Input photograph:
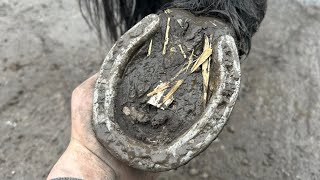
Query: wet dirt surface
x,y
146,122
46,51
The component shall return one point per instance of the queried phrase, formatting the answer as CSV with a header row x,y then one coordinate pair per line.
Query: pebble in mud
x,y
193,171
134,115
205,175
230,129
245,162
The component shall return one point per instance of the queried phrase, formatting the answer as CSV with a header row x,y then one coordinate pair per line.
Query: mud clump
x,y
158,97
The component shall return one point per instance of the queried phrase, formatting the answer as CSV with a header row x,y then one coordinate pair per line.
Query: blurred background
x,y
46,50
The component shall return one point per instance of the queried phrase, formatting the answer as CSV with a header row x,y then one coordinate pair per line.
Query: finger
x,y
82,96
89,83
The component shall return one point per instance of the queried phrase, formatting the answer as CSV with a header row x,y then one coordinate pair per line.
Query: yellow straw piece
x,y
207,51
203,57
181,70
167,11
172,91
182,51
150,48
206,73
173,49
161,87
166,41
190,59
206,76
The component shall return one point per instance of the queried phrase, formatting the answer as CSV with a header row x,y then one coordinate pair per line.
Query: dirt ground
x,y
47,50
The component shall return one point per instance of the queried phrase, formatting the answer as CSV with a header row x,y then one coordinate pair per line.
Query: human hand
x,y
85,157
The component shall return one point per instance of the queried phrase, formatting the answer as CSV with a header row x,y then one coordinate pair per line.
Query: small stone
x,y
126,111
11,124
285,173
205,175
230,129
15,67
266,163
54,66
193,171
245,162
136,115
252,174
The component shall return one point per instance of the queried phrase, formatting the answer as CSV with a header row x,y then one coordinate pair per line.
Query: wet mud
x,y
164,59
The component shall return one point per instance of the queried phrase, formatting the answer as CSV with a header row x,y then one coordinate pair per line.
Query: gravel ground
x,y
47,50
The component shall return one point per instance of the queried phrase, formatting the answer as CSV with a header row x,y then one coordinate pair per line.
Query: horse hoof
x,y
166,90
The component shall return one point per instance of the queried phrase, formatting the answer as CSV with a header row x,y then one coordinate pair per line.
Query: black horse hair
x,y
119,15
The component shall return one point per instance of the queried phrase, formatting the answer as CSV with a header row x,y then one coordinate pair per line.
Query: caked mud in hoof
x,y
173,83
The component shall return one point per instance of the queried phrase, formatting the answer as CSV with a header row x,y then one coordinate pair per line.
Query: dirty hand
x,y
85,157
